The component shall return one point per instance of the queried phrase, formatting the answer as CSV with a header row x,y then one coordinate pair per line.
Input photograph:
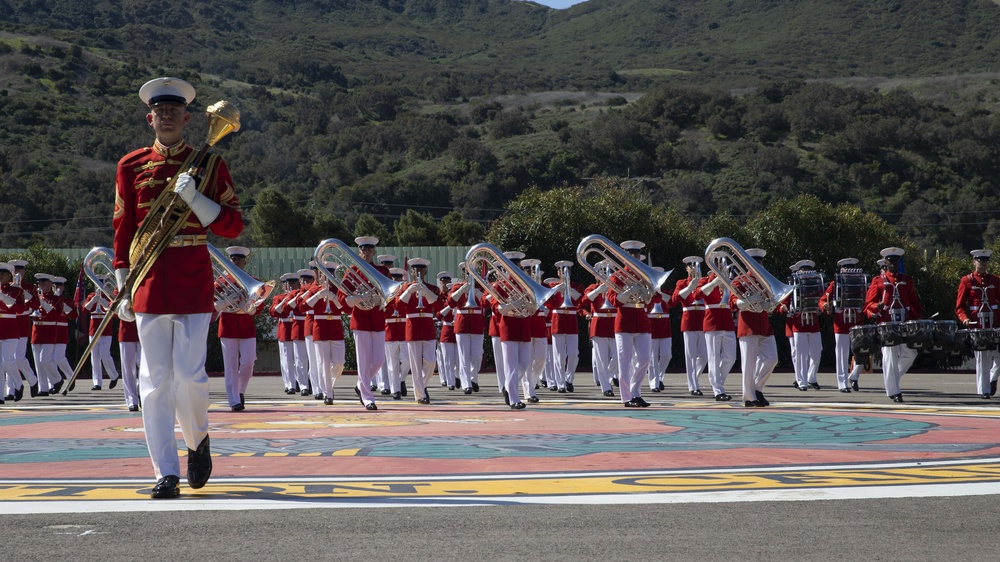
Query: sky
x,y
558,4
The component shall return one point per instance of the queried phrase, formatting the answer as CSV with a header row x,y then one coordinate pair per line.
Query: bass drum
x,y
864,341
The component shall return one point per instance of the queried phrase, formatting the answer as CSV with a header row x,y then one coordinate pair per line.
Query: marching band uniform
x,y
397,354
447,344
882,306
62,317
565,329
976,306
24,315
382,377
692,320
43,335
280,311
309,288
539,349
173,304
469,325
328,337
515,343
11,300
298,333
367,326
807,343
720,337
602,337
842,325
633,336
662,337
129,351
100,354
238,337
420,332
758,348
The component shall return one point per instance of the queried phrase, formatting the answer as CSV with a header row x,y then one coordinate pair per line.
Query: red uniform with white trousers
x,y
238,336
758,348
661,343
448,347
368,329
24,315
328,338
633,339
421,334
286,353
397,353
807,346
174,303
11,300
100,354
720,333
692,304
44,336
470,323
842,324
602,336
515,343
882,307
565,334
977,302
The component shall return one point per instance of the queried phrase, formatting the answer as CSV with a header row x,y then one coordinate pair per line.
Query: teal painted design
x,y
17,451
30,419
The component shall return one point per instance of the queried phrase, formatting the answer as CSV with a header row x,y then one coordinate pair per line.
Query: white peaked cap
x,y
514,255
18,263
632,245
418,262
397,271
892,251
386,257
564,263
531,262
981,253
166,90
288,276
366,240
305,273
238,251
43,277
847,261
58,279
692,260
444,275
756,252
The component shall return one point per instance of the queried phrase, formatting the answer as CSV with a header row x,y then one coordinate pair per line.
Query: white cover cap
x,y
756,253
847,261
288,276
693,260
59,280
632,245
514,255
238,251
981,253
166,90
397,271
418,262
386,258
18,263
366,241
444,275
6,266
305,273
531,262
43,277
892,251
564,263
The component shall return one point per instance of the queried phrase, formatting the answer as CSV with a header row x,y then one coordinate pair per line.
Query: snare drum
x,y
864,340
892,333
945,335
984,340
920,334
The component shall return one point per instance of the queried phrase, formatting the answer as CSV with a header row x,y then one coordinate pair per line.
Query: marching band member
x,y
565,306
662,338
976,307
173,304
43,335
539,349
548,377
129,351
397,355
692,320
494,329
11,299
720,336
311,286
24,316
62,318
515,343
448,364
807,343
842,324
602,336
100,354
280,311
867,367
469,325
304,277
420,301
367,326
892,297
238,336
758,349
328,337
388,261
632,335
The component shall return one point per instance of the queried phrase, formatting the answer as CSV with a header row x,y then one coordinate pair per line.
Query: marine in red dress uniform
x,y
692,305
976,308
24,322
280,311
173,304
470,323
367,326
238,336
420,301
11,300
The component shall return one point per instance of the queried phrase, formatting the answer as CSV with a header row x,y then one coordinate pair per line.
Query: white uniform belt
x,y
182,240
690,308
92,315
394,320
284,319
43,323
298,317
604,315
420,315
720,305
632,305
564,311
469,311
8,316
327,317
659,316
447,323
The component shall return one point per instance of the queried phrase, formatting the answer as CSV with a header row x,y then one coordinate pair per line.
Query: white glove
x,y
460,291
711,285
429,295
742,304
92,301
124,309
352,300
45,305
220,305
597,292
186,187
317,296
505,308
7,299
204,208
67,308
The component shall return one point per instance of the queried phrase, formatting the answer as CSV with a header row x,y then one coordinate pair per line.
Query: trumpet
x,y
470,301
234,287
98,264
515,288
563,273
354,276
634,281
744,277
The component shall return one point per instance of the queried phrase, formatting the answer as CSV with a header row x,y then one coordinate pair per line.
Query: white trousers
x,y
633,360
101,355
369,348
516,360
130,373
987,369
8,356
421,365
566,356
695,357
896,360
330,359
605,357
842,352
397,359
173,384
300,363
498,360
238,358
45,365
759,356
64,367
286,356
808,349
721,346
449,362
23,364
538,358
661,350
470,358
312,371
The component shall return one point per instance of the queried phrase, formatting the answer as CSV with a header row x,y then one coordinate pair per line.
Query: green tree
x,y
368,225
275,222
417,229
456,231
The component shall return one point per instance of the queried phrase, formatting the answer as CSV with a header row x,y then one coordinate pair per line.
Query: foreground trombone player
x,y
173,303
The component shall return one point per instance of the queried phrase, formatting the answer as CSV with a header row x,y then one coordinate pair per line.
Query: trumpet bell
x,y
236,288
744,277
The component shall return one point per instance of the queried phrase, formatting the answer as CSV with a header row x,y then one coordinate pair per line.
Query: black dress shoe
x,y
985,396
199,464
845,390
760,398
696,393
897,397
371,406
561,391
614,381
631,404
517,406
803,387
723,397
554,388
386,392
34,390
751,404
238,408
569,387
328,401
296,389
289,391
96,387
402,388
374,386
467,391
609,393
543,383
242,402
358,392
506,397
854,386
993,388
655,389
113,383
9,397
815,385
533,399
475,387
57,387
43,393
133,408
537,387
19,394
659,385
423,400
305,392
451,387
640,402
397,396
166,487
318,396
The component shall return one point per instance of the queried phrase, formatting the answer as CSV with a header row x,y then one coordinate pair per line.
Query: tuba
x,y
744,277
354,276
514,286
637,282
99,263
236,288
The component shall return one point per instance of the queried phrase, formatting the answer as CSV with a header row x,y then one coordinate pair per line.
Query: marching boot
x,y
199,464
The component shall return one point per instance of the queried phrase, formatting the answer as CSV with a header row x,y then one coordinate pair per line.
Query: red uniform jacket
x,y
660,321
30,306
692,307
97,311
8,314
127,332
510,328
565,320
969,303
718,314
368,320
447,317
327,322
631,318
602,320
420,319
840,325
878,300
467,320
284,317
395,321
51,323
